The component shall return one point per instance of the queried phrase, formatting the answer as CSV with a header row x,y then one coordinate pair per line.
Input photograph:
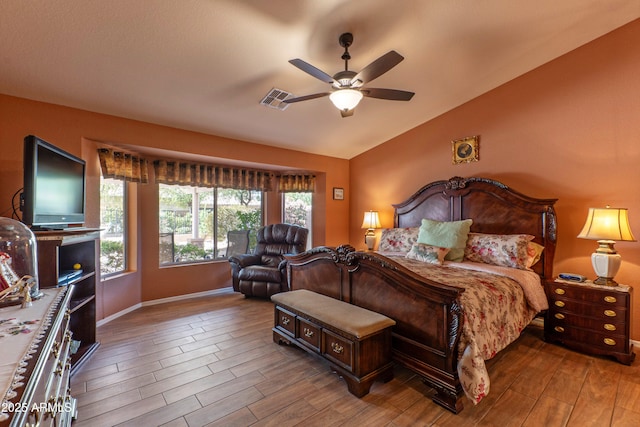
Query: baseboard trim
x,y
121,313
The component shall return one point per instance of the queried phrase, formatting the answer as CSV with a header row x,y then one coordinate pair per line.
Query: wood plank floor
x,y
211,361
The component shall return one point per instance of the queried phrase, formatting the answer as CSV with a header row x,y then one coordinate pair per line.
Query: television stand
x,y
58,252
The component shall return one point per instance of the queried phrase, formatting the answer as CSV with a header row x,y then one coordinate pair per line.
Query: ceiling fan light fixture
x,y
346,99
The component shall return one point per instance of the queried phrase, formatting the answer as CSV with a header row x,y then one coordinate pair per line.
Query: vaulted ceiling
x,y
205,65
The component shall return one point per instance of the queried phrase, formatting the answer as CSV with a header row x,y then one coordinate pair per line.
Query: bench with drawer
x,y
356,342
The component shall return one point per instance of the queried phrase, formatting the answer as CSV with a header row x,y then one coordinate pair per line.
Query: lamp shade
x,y
371,220
345,99
607,224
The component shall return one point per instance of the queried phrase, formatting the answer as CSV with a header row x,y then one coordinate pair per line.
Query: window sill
x,y
115,276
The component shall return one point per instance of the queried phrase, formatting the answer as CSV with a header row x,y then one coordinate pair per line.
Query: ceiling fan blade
x,y
347,113
310,69
306,97
391,94
378,67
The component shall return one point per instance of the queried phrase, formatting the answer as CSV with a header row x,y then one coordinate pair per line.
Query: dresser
x,y
590,318
36,361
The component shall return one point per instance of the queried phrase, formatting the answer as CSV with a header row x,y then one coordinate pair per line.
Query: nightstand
x,y
590,318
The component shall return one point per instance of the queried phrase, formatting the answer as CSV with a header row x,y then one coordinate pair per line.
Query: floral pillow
x,y
507,250
427,253
398,239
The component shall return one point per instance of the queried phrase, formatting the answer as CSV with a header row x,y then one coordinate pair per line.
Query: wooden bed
x,y
427,313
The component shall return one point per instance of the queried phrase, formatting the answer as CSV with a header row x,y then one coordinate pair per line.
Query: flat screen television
x,y
54,186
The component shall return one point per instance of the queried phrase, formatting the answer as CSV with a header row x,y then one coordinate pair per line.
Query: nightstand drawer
x,y
600,311
578,292
605,341
564,319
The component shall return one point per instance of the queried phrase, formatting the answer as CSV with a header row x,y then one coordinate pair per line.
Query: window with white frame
x,y
200,224
113,221
297,209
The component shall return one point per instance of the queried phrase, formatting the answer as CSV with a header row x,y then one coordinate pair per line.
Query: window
x,y
296,208
195,222
113,222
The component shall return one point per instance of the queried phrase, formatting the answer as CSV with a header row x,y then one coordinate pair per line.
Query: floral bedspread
x,y
495,310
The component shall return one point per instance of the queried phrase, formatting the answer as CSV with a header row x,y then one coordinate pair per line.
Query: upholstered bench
x,y
356,342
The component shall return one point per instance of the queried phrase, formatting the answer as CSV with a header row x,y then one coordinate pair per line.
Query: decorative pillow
x,y
452,235
534,252
427,253
507,250
398,239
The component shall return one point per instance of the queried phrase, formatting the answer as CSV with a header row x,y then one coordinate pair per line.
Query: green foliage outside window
x,y
297,209
112,224
111,256
222,209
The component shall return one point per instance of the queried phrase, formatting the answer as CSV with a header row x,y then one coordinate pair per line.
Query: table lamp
x,y
607,225
371,221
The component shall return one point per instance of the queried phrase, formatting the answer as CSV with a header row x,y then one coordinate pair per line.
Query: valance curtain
x,y
125,166
296,183
204,175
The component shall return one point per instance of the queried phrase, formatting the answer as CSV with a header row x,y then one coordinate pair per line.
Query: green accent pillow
x,y
452,235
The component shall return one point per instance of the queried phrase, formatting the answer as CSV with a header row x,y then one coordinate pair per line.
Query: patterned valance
x,y
204,175
125,166
296,183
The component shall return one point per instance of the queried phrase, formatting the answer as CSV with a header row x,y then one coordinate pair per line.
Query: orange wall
x,y
567,130
77,132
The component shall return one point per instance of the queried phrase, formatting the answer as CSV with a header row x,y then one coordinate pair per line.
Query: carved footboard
x,y
426,313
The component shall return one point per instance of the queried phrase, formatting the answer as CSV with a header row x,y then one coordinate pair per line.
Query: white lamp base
x,y
370,239
606,267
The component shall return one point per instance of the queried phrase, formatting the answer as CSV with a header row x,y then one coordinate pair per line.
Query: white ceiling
x,y
204,65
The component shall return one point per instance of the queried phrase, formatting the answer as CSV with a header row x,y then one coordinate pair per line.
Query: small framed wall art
x,y
465,150
338,193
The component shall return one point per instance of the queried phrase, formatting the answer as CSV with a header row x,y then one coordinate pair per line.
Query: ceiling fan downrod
x,y
345,40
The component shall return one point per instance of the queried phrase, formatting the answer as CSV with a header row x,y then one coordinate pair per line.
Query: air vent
x,y
275,97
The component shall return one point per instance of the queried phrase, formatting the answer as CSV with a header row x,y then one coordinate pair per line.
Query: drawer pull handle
x,y
559,291
308,332
55,350
609,327
285,320
559,316
559,329
610,313
609,341
559,304
609,298
337,348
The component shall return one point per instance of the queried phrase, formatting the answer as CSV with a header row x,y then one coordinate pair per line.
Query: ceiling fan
x,y
347,85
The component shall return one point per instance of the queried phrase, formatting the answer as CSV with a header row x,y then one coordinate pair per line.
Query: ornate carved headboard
x,y
493,207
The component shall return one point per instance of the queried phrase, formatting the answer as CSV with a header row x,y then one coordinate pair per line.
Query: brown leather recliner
x,y
263,273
